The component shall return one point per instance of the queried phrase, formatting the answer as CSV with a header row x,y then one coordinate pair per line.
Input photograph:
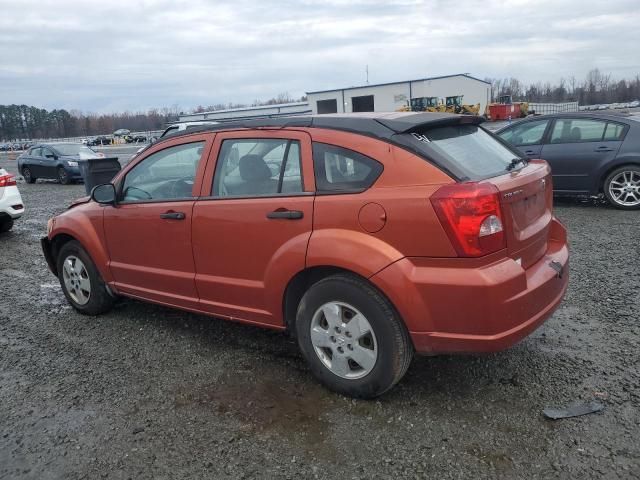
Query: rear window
x,y
468,152
339,169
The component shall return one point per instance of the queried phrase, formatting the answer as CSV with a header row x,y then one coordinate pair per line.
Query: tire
x,y
6,224
63,176
622,187
85,291
344,297
27,175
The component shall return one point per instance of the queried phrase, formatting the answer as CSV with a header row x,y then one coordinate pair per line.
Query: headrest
x,y
254,169
575,134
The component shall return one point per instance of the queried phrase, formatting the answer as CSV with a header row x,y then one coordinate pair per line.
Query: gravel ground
x,y
148,392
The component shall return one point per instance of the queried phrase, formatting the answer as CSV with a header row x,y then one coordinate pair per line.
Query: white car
x,y
179,127
11,206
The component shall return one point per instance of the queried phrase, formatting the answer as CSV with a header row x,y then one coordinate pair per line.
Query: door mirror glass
x,y
105,193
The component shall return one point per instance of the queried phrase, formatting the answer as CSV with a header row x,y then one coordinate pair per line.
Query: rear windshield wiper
x,y
514,163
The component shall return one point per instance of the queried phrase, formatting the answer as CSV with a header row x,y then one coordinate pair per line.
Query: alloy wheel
x,y
343,340
76,280
624,188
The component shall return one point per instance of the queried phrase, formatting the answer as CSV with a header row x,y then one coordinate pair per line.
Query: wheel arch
x,y
634,162
300,283
89,241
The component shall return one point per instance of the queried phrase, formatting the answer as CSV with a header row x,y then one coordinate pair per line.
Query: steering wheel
x,y
130,194
180,186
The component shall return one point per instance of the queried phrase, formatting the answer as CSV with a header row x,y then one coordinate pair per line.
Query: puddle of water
x,y
269,405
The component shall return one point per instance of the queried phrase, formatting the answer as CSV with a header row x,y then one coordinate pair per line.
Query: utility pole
x,y
366,69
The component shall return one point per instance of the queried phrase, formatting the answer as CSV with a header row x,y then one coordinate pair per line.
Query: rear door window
x,y
258,167
573,130
339,169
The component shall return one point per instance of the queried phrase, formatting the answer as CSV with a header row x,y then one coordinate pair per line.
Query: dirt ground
x,y
148,392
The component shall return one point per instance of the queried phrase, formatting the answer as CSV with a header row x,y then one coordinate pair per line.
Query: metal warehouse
x,y
245,113
388,97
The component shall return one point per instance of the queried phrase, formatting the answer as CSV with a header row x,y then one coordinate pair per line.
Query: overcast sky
x,y
113,55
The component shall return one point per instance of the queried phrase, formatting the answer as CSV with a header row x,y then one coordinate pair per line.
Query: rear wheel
x,y
27,175
353,339
6,224
81,282
622,187
63,176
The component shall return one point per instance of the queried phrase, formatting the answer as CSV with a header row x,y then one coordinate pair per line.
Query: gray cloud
x,y
131,55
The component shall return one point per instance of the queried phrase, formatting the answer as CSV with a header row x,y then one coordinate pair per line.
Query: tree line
x,y
19,122
28,122
596,88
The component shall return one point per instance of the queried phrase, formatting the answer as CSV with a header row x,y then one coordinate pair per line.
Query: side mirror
x,y
104,194
51,155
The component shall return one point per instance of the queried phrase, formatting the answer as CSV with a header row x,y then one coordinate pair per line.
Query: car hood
x,y
79,201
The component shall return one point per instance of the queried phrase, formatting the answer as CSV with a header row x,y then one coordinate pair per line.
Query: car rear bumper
x,y
11,202
452,307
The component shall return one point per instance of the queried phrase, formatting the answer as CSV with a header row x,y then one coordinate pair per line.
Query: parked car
x,y
121,132
589,154
11,206
182,126
54,160
367,237
135,138
102,140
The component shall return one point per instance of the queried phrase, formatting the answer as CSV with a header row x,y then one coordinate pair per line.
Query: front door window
x,y
166,175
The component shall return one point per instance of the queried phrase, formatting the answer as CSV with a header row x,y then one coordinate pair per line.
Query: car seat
x,y
256,177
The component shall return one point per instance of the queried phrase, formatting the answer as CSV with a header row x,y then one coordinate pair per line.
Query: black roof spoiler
x,y
378,125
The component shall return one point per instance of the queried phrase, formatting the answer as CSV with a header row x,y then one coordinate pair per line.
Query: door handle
x,y
604,149
286,214
171,215
529,152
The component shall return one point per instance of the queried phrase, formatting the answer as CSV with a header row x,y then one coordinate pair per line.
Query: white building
x,y
264,111
388,97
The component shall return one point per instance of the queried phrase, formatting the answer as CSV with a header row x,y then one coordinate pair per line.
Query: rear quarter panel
x,y
406,222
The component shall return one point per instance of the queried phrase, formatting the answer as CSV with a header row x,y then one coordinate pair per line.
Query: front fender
x,y
87,228
358,252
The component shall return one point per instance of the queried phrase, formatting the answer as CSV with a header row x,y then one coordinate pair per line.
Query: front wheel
x,y
354,341
622,187
27,175
63,176
81,282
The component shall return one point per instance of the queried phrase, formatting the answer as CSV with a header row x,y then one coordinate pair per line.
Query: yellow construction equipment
x,y
454,105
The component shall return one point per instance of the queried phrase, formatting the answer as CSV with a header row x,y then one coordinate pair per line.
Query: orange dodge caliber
x,y
367,236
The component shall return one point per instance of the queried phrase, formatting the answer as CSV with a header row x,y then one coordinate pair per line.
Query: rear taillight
x,y
470,214
7,180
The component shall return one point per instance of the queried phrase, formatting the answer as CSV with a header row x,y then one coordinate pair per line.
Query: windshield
x,y
467,151
70,149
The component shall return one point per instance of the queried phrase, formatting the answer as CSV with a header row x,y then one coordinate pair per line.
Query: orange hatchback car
x,y
368,236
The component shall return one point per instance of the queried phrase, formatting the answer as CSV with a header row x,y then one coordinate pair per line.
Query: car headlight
x,y
71,163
